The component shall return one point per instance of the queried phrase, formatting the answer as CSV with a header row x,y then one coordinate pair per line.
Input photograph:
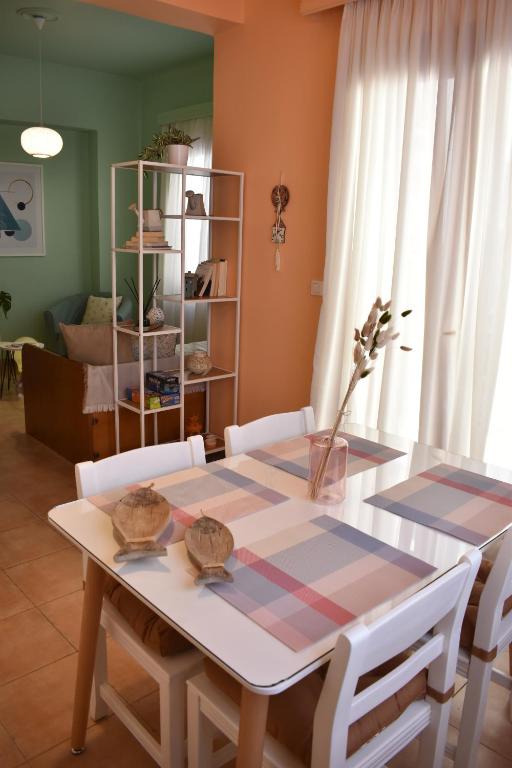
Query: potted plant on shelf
x,y
171,145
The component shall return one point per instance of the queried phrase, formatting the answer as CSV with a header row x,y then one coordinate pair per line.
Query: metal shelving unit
x,y
142,168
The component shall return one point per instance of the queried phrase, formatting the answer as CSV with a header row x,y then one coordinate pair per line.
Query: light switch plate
x,y
317,288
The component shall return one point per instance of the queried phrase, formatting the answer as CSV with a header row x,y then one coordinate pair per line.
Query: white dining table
x,y
260,662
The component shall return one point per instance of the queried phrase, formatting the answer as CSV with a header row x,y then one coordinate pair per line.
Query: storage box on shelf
x,y
154,247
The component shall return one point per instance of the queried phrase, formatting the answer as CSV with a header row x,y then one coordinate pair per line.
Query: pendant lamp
x,y
40,141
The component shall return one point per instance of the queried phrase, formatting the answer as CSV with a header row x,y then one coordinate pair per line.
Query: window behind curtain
x,y
196,232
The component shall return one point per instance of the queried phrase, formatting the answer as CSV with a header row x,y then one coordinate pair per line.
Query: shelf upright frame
x,y
182,305
155,273
140,166
114,303
140,289
238,293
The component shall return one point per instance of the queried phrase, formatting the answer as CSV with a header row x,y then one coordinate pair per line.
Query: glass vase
x,y
327,469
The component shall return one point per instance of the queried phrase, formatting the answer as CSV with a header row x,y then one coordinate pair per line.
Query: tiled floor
x,y
40,604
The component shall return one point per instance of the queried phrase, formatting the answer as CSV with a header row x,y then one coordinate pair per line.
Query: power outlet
x,y
317,288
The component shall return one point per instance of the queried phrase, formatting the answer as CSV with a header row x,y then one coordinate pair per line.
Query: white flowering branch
x,y
375,334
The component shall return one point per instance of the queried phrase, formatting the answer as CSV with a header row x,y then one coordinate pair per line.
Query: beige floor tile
x,y
109,745
12,599
28,542
36,710
127,677
13,514
147,710
408,758
10,756
65,614
28,642
49,577
503,662
497,730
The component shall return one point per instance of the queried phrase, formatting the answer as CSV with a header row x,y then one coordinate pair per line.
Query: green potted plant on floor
x,y
5,302
171,145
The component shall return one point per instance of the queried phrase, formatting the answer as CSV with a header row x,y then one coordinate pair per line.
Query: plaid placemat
x,y
307,581
463,504
215,490
293,455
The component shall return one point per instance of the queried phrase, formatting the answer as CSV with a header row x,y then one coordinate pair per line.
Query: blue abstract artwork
x,y
21,210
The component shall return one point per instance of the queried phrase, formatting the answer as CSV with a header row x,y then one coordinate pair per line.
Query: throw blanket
x,y
99,380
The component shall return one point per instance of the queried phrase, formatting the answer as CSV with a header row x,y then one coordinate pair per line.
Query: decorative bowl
x,y
199,363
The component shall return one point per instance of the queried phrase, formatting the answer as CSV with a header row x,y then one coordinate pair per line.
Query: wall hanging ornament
x,y
280,197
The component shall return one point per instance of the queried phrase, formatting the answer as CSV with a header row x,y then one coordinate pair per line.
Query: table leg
x,y
253,726
11,370
3,371
91,612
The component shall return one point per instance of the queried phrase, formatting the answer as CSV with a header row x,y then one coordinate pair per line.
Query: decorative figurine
x,y
190,285
195,203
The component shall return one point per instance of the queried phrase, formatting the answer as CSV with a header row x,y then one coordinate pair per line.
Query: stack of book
x,y
212,278
149,239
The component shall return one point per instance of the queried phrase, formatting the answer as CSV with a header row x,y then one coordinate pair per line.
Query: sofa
x,y
55,390
71,311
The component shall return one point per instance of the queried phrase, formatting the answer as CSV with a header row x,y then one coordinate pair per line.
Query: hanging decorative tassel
x,y
280,196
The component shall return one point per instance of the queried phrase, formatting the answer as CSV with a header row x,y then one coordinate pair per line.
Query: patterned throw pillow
x,y
165,346
99,310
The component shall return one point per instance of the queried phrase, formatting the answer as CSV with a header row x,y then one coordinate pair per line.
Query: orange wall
x,y
273,89
206,16
274,77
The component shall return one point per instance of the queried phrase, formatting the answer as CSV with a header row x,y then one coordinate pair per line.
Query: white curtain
x,y
420,204
196,232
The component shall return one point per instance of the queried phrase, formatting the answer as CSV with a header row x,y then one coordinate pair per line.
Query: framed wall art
x,y
21,210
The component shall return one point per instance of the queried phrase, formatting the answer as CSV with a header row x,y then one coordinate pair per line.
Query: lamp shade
x,y
41,142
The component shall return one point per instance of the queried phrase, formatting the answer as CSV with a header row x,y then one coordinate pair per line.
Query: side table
x,y
8,368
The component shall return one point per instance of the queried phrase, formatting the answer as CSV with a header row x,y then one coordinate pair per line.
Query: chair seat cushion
x,y
291,713
469,624
152,630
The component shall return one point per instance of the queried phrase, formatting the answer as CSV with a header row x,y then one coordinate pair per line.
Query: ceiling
x,y
97,38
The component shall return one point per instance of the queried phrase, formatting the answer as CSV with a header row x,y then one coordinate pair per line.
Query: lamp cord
x,y
40,78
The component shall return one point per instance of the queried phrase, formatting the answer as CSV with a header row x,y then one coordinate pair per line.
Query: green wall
x,y
36,281
103,118
183,86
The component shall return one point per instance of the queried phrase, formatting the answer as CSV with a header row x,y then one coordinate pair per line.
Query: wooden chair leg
x,y
91,612
200,733
473,713
98,708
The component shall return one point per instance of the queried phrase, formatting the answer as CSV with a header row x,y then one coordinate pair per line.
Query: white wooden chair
x,y
493,634
170,672
269,429
360,649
